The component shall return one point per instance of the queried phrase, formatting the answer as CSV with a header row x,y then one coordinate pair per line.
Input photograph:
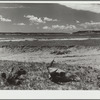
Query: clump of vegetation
x,y
15,77
59,52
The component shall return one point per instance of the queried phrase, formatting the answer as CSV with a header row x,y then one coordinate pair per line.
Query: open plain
x,y
77,55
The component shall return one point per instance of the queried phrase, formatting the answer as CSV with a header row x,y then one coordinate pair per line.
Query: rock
x,y
57,75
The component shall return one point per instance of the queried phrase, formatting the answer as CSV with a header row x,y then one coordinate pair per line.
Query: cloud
x,y
4,19
50,19
39,20
90,25
34,19
46,28
93,7
60,27
77,21
20,24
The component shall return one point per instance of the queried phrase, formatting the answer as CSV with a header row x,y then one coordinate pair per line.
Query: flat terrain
x,y
77,56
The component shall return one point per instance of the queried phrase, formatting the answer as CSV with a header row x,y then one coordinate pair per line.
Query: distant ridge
x,y
84,32
31,33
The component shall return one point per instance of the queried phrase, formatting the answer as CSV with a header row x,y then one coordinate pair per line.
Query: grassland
x,y
80,57
37,77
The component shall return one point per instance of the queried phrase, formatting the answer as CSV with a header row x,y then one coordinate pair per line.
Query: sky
x,y
49,17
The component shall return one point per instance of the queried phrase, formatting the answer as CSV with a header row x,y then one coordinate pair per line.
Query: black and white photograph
x,y
50,46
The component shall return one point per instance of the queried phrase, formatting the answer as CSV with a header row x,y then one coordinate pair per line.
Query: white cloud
x,y
90,25
49,19
93,7
71,27
77,21
20,24
60,27
39,20
46,27
4,19
34,19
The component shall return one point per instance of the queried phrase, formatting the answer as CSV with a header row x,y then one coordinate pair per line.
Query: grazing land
x,y
75,54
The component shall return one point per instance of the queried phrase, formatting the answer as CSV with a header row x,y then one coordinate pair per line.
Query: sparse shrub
x,y
60,52
13,78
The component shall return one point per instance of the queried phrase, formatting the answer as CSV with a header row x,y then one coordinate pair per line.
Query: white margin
x,y
49,94
50,2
